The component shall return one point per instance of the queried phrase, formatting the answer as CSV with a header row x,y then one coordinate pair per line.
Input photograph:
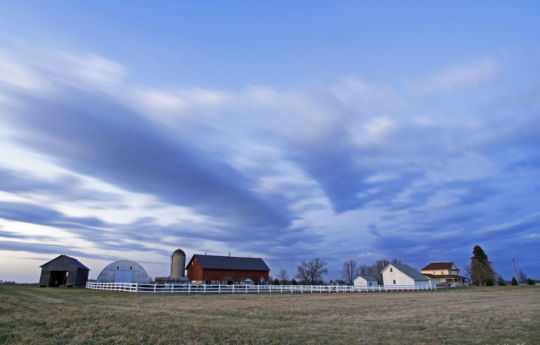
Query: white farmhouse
x,y
404,275
366,281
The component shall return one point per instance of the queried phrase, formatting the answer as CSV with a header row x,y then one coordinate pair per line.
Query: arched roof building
x,y
123,271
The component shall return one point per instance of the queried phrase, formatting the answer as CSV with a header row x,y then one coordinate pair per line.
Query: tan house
x,y
443,272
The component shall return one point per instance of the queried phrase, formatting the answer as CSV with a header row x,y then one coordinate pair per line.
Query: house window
x,y
394,282
391,269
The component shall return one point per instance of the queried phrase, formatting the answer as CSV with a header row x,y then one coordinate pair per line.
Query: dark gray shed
x,y
63,271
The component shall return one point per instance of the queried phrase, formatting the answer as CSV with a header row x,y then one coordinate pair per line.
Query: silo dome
x,y
123,271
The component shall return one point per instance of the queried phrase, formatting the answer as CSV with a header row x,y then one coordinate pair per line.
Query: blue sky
x,y
285,131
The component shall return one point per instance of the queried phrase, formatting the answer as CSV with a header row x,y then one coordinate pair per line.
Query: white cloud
x,y
457,77
19,75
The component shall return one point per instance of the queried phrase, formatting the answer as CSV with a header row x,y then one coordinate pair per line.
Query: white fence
x,y
204,288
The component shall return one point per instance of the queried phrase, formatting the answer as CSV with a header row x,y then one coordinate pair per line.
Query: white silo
x,y
178,264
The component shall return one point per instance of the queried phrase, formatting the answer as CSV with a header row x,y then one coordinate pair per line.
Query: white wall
x,y
359,281
400,277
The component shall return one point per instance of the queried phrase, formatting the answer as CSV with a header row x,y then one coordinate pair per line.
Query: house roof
x,y
70,259
230,263
435,276
368,278
408,270
439,266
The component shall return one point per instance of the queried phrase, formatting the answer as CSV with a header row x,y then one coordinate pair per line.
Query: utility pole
x,y
515,270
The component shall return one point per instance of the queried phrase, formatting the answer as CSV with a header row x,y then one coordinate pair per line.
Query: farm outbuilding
x,y
366,281
123,271
404,275
226,269
63,271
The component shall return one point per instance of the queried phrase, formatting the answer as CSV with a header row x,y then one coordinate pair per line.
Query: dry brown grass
x,y
497,315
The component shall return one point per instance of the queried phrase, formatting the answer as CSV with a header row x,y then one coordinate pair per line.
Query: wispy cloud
x,y
457,77
262,170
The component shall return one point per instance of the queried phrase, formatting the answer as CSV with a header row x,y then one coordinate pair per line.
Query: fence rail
x,y
206,288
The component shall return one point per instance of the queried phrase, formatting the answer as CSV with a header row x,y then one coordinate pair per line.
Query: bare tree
x,y
282,276
312,271
375,268
349,271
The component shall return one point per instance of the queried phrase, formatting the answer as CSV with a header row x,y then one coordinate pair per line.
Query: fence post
x,y
189,288
204,288
219,288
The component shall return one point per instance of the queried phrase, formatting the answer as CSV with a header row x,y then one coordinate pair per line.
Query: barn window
x,y
391,269
130,267
117,267
394,282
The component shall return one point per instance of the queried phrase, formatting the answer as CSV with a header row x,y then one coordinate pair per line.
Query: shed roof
x,y
217,262
439,266
408,270
71,260
368,278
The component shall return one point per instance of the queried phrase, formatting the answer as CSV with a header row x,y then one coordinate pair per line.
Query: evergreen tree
x,y
481,271
500,281
514,281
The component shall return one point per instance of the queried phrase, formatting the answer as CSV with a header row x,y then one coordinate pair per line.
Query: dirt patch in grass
x,y
497,315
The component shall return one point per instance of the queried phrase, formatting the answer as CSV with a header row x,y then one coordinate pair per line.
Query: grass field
x,y
497,315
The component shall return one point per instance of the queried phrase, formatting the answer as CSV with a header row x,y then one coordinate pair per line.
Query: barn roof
x,y
217,262
408,270
71,260
439,266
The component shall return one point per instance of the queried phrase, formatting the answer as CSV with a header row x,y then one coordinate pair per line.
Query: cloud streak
x,y
285,174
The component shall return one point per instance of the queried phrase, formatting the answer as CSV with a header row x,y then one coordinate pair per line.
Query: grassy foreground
x,y
497,315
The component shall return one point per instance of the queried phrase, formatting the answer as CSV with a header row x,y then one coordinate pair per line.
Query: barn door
x,y
122,276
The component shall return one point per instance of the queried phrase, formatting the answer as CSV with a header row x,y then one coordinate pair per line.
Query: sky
x,y
281,130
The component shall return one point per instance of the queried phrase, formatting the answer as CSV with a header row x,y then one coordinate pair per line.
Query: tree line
x,y
312,271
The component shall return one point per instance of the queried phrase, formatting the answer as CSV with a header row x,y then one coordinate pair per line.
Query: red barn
x,y
226,269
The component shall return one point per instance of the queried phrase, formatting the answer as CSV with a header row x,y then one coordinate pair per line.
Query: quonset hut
x,y
63,271
123,271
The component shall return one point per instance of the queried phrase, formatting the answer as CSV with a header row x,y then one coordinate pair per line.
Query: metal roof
x,y
216,262
70,259
411,272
